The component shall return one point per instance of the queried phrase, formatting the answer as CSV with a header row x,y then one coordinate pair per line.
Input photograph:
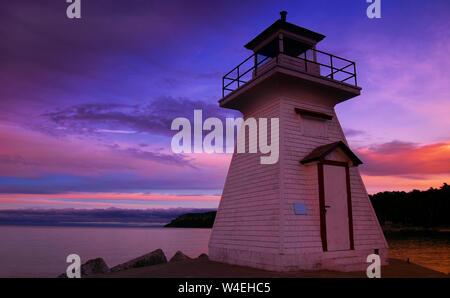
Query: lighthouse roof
x,y
322,151
282,25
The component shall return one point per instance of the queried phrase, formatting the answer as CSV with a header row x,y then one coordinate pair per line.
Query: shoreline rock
x,y
153,258
91,267
98,266
179,257
203,257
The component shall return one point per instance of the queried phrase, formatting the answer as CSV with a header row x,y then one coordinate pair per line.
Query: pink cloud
x,y
112,197
405,166
27,153
400,158
8,203
376,184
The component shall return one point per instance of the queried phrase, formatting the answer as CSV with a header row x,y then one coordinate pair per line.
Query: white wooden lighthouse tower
x,y
310,210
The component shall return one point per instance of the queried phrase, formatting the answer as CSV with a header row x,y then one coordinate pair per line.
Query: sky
x,y
86,104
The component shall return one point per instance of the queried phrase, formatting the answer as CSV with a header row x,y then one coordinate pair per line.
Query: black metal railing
x,y
242,77
326,65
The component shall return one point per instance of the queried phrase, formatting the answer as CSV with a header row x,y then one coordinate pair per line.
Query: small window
x,y
313,124
314,127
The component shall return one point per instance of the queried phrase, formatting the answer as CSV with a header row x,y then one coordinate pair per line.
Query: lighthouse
x,y
309,210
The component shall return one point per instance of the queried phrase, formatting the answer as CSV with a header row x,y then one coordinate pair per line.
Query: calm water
x,y
431,252
41,251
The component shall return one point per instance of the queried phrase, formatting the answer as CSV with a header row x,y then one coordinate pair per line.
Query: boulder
x,y
153,258
94,266
91,267
203,257
179,257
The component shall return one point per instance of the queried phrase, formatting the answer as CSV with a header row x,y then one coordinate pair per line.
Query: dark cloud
x,y
191,178
16,160
93,217
393,147
118,52
349,132
173,159
154,117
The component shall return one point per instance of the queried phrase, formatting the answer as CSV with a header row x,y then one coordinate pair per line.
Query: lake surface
x,y
42,251
429,251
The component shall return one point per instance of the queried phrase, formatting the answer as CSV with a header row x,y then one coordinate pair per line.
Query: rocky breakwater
x,y
96,267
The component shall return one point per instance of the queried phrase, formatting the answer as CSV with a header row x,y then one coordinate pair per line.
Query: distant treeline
x,y
193,220
429,208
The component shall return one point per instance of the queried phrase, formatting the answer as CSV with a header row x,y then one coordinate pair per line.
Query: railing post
x,y
314,53
238,76
280,43
306,63
354,73
256,63
223,87
331,64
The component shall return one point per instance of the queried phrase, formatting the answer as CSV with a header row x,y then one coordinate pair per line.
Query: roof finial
x,y
283,15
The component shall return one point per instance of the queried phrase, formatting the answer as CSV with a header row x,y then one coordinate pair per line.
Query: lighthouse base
x,y
344,261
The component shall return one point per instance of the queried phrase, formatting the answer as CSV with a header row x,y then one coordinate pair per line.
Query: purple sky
x,y
86,105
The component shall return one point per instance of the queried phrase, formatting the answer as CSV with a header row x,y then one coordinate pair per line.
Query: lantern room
x,y
284,37
284,47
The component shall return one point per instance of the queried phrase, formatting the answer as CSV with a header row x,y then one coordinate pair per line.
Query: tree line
x,y
429,208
